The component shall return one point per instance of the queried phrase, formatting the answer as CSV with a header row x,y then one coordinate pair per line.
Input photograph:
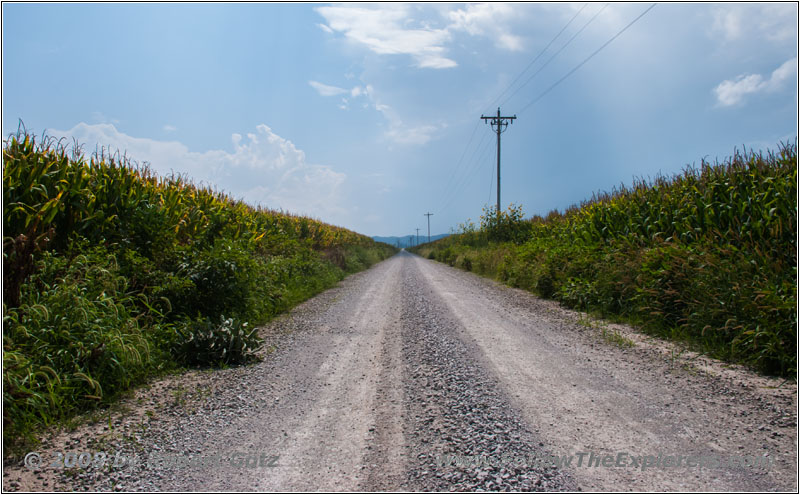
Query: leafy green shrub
x,y
359,258
226,279
577,293
447,255
73,341
205,343
505,226
305,275
546,282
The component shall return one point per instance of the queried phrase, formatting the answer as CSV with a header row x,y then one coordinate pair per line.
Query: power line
x,y
461,159
469,170
491,183
586,60
475,128
473,165
481,155
537,56
454,174
579,31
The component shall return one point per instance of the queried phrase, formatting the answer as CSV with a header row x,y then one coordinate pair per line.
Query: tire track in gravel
x,y
583,394
325,435
456,408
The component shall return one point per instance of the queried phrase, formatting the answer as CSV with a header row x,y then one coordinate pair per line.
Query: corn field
x,y
750,202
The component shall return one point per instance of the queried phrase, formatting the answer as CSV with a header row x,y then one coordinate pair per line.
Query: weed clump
x,y
205,343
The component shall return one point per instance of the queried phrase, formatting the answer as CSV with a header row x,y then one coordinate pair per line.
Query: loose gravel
x,y
465,434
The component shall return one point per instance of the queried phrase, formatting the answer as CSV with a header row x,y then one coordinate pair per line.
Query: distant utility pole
x,y
499,125
417,237
429,225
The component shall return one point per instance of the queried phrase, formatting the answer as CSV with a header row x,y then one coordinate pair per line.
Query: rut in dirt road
x,y
378,383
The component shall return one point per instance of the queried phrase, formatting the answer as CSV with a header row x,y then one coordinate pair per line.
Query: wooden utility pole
x,y
417,244
429,225
499,125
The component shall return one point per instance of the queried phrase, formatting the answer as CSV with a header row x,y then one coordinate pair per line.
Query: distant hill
x,y
408,240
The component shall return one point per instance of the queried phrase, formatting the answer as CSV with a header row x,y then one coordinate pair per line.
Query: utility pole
x,y
499,125
429,225
417,237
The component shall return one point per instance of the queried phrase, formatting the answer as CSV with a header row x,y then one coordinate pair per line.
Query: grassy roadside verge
x,y
112,275
708,257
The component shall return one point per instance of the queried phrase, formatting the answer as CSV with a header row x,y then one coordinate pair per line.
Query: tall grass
x,y
112,274
708,256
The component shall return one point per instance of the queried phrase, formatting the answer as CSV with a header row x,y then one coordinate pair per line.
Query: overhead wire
x,y
572,71
474,129
569,41
477,158
491,183
458,164
469,171
467,167
538,56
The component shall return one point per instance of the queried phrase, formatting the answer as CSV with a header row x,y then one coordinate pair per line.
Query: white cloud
x,y
733,91
740,21
403,134
169,128
727,23
263,168
325,90
783,73
400,132
391,29
490,20
384,31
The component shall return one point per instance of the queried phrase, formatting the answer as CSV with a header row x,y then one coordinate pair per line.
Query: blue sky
x,y
367,115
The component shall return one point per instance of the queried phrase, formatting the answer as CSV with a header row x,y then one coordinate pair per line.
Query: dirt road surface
x,y
377,383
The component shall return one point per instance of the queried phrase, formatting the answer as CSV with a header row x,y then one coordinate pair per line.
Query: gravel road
x,y
378,383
